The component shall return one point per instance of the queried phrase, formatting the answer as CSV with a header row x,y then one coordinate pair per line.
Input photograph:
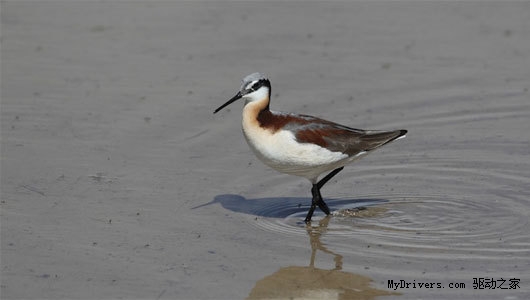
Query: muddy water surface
x,y
462,229
117,181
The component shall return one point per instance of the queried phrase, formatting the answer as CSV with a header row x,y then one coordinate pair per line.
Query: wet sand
x,y
117,181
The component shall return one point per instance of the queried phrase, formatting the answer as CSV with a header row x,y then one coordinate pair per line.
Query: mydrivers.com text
x,y
477,283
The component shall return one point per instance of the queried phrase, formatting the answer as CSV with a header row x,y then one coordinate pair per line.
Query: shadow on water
x,y
282,207
297,282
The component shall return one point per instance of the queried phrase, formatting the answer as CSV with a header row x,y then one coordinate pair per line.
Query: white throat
x,y
262,94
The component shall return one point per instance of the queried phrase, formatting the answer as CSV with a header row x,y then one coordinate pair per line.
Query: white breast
x,y
282,152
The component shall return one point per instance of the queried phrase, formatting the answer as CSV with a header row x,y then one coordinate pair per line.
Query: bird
x,y
299,144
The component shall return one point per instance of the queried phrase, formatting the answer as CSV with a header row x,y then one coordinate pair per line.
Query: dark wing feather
x,y
340,138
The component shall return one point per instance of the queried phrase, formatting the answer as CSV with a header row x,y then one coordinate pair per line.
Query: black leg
x,y
317,197
328,177
310,212
317,200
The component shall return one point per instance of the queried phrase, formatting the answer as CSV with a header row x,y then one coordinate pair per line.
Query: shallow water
x,y
118,182
465,218
311,282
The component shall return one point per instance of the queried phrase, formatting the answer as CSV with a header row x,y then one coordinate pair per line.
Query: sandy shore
x,y
117,181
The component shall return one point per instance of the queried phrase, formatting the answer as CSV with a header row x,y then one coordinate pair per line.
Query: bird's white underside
x,y
281,151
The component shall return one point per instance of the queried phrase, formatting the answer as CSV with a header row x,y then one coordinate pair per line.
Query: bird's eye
x,y
255,86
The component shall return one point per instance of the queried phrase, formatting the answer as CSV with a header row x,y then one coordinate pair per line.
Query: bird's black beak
x,y
236,97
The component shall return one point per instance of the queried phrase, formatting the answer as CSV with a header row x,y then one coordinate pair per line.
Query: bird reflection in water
x,y
309,282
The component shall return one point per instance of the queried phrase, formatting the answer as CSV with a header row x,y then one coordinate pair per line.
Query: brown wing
x,y
339,138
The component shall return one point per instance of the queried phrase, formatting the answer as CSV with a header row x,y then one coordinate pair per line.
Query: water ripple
x,y
477,214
